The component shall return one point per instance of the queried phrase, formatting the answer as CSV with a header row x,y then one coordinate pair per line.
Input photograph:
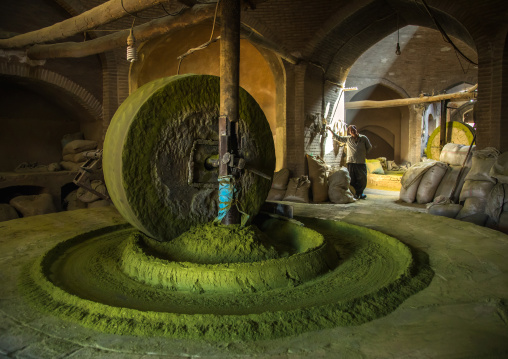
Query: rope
x,y
227,199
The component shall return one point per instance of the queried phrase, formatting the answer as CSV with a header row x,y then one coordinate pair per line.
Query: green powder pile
x,y
212,243
80,280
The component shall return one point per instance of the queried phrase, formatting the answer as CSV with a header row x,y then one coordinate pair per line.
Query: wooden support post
x,y
229,90
444,111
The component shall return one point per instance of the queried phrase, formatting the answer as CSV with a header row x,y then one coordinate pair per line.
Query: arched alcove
x,y
33,133
380,147
378,120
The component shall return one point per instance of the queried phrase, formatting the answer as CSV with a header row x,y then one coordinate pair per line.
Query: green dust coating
x,y
212,243
468,131
311,256
147,151
377,273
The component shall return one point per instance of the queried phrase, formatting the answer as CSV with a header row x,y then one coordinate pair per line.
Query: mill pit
x,y
179,274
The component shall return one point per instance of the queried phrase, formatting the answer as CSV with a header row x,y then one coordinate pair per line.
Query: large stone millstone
x,y
149,155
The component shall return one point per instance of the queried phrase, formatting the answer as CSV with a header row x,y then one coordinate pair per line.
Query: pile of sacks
x,y
27,206
82,198
428,180
74,151
469,188
321,183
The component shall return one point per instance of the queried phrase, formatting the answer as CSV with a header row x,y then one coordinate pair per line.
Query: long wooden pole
x,y
144,32
229,91
99,15
469,95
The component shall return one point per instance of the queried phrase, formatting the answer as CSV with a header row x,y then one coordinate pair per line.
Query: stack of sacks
x,y
477,187
421,180
454,155
298,190
317,175
446,198
497,201
83,198
338,187
91,198
74,154
279,185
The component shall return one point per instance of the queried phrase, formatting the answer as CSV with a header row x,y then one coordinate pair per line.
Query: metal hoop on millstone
x,y
158,150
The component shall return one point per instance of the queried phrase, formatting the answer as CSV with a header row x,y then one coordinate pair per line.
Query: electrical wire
x,y
202,46
153,18
446,37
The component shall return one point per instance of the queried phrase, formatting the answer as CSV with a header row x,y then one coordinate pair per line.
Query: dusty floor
x,y
462,314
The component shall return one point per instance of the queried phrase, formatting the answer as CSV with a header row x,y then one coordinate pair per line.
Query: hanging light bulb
x,y
397,51
132,52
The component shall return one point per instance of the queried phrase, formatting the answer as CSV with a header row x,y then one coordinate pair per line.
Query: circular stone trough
x,y
361,275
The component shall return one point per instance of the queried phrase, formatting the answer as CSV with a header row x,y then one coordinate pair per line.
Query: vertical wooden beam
x,y
229,89
444,111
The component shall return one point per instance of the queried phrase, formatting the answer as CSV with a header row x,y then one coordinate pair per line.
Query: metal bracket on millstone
x,y
203,172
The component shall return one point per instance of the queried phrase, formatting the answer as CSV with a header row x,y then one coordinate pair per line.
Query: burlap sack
x,y
472,205
317,175
408,195
71,202
72,137
496,201
276,194
33,205
339,178
483,160
86,196
499,169
78,146
298,190
449,210
340,195
76,157
415,173
375,166
475,189
430,181
7,212
280,179
447,184
454,154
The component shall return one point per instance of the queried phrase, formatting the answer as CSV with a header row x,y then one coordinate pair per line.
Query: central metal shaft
x,y
229,89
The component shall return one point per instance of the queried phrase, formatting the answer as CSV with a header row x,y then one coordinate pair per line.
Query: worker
x,y
357,148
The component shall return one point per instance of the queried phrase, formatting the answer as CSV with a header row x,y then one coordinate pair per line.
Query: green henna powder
x,y
374,275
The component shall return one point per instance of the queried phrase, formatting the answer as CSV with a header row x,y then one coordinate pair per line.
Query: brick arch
x,y
458,114
344,37
80,96
394,119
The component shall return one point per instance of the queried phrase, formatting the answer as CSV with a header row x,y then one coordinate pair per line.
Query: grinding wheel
x,y
462,134
157,148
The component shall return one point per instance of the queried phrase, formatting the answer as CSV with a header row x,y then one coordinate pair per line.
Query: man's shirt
x,y
356,149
